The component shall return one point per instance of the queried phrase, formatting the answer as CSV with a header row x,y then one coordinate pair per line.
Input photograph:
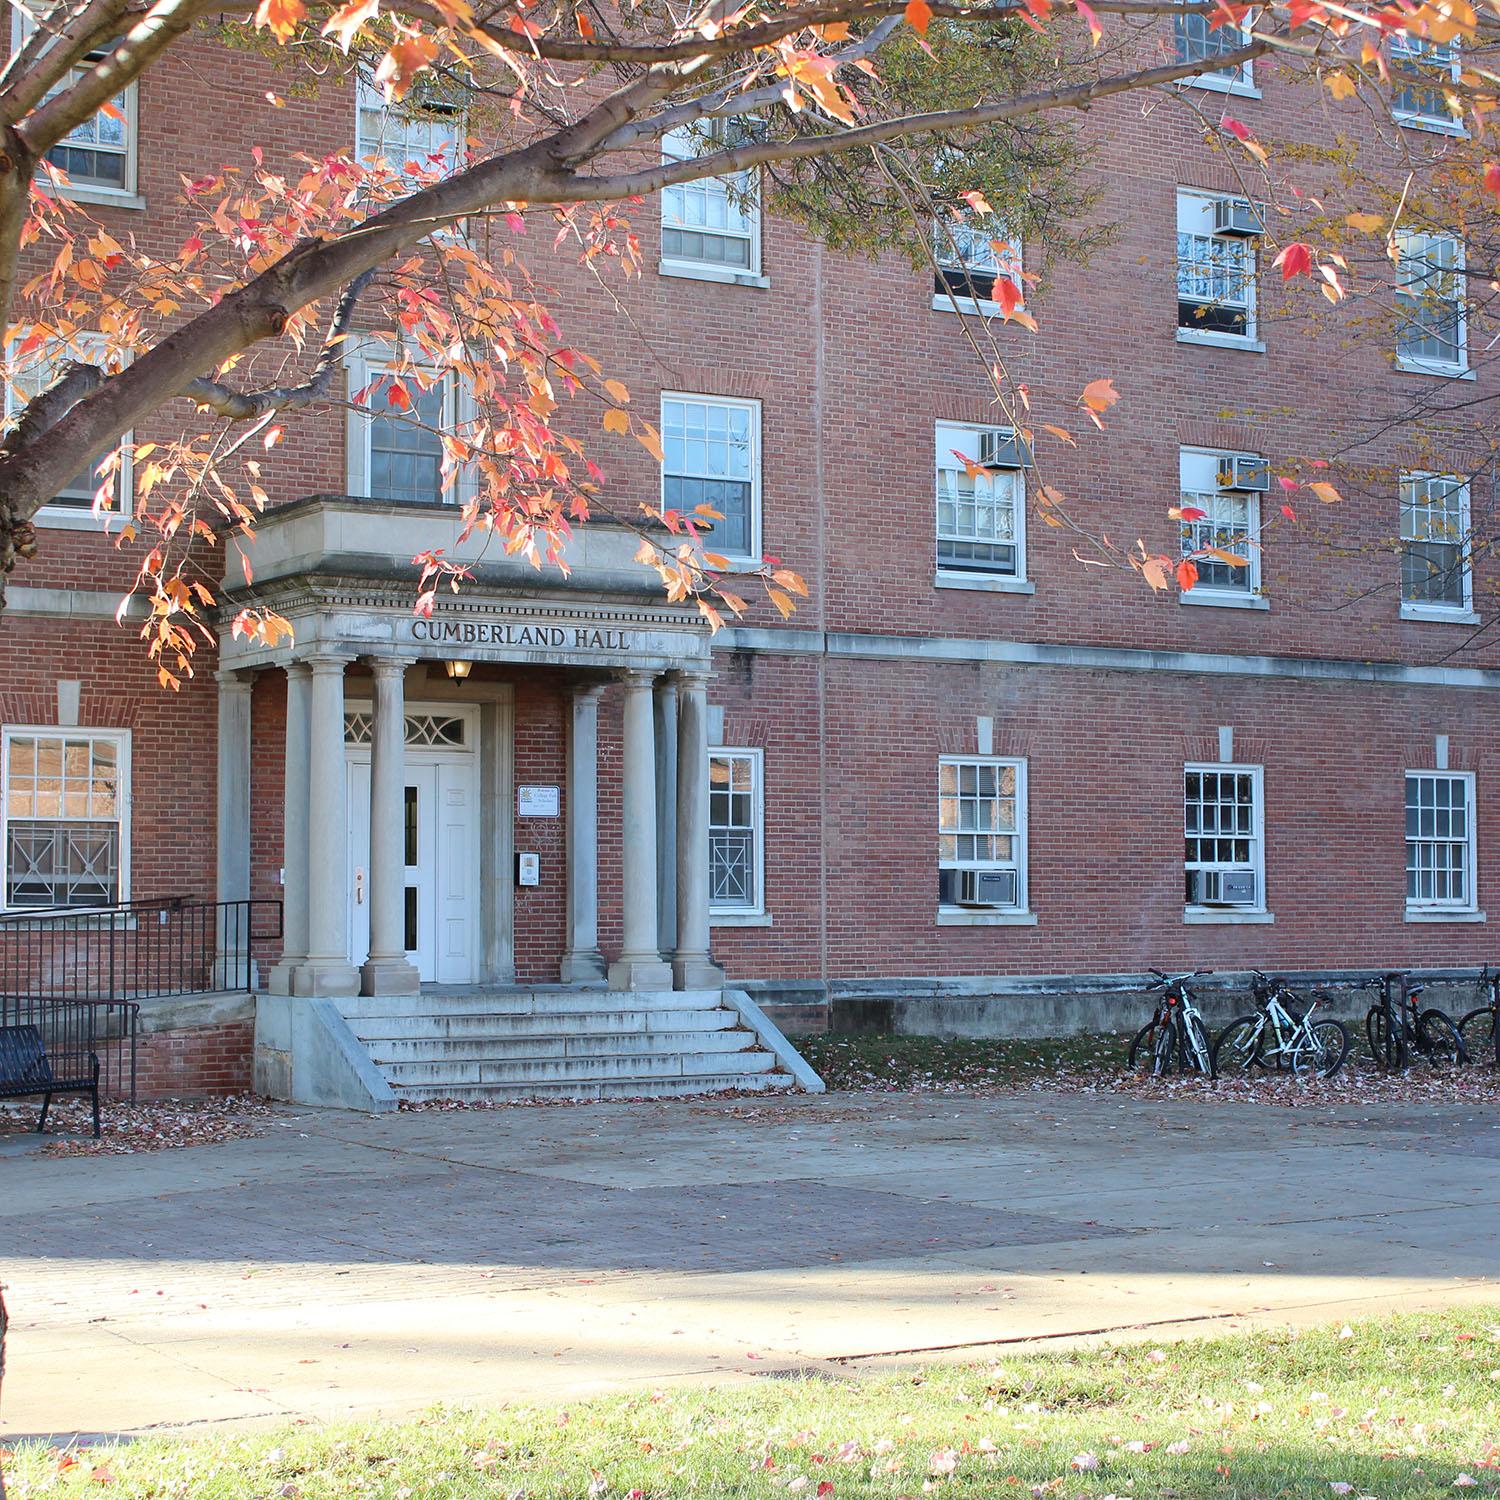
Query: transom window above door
x,y
441,731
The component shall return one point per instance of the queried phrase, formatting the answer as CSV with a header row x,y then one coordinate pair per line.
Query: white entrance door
x,y
441,848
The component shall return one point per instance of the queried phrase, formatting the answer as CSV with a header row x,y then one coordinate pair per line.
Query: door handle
x,y
359,887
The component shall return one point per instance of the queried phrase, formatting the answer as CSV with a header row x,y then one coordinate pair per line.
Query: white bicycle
x,y
1276,1037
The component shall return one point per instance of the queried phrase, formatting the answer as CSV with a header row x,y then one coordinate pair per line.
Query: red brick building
x,y
968,766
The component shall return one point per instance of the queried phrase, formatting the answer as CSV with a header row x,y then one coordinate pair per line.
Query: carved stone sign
x,y
456,633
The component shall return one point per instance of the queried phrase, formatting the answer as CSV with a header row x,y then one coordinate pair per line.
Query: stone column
x,y
639,966
327,970
294,814
232,940
666,813
692,966
386,971
583,963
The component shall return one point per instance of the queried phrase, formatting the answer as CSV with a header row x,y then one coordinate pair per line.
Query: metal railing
x,y
135,950
77,973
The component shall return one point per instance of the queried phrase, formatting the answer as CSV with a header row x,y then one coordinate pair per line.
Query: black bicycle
x,y
1282,1034
1430,1034
1479,1030
1175,1037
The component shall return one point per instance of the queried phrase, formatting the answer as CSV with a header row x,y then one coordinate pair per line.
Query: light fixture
x,y
459,670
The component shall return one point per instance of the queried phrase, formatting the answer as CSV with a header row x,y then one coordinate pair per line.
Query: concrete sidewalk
x,y
344,1265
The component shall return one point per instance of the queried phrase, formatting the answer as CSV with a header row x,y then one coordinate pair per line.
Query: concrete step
x,y
524,1071
500,1047
661,1088
371,1029
561,1001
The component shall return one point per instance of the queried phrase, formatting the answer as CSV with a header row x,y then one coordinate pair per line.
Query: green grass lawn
x,y
1390,1408
904,1062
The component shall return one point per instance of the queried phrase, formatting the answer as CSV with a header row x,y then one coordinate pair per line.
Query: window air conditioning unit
x,y
1245,472
1239,218
1000,448
1222,888
985,888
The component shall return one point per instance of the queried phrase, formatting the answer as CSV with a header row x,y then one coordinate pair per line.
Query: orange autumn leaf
x,y
616,420
280,17
1100,395
918,16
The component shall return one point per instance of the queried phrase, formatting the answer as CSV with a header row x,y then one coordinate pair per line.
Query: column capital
x,y
327,662
235,677
639,679
388,666
693,675
586,692
298,668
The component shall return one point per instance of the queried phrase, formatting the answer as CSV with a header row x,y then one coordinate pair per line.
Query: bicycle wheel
x,y
1168,1047
1142,1055
1477,1032
1438,1040
1325,1050
1237,1049
1375,1032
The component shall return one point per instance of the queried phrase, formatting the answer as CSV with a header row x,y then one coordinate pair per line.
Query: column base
x,y
642,972
586,966
389,976
697,973
283,976
325,977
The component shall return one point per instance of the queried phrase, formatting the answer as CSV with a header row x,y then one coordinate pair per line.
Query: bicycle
x,y
1478,1030
1431,1032
1276,1037
1174,1032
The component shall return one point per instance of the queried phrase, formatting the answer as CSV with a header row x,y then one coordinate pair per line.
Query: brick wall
x,y
196,1061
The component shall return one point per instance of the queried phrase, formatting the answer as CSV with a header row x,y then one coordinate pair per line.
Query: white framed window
x,y
981,834
99,155
736,833
980,523
1196,39
970,255
1431,304
1424,105
396,453
1217,239
711,458
1440,841
421,137
1437,576
65,816
1223,840
1214,483
710,229
72,508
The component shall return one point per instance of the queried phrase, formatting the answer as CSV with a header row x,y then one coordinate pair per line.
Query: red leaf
x,y
1289,485
1492,177
1192,513
1289,513
1187,574
398,396
918,16
1295,260
1236,128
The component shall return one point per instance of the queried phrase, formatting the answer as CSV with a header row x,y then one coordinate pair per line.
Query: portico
x,y
399,838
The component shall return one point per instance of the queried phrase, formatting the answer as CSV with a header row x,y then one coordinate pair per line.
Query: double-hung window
x,y
1431,310
66,816
1222,839
1424,104
26,377
736,840
971,254
982,833
981,496
1439,841
711,469
1217,237
395,447
99,155
710,228
1221,523
1197,39
420,138
1436,573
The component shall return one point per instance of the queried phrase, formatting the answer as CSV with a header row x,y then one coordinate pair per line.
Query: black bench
x,y
26,1071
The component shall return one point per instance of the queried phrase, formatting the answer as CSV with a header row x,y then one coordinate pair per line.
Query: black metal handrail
x,y
134,950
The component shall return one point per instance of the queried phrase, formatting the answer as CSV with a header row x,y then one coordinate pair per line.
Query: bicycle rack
x,y
1393,1013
